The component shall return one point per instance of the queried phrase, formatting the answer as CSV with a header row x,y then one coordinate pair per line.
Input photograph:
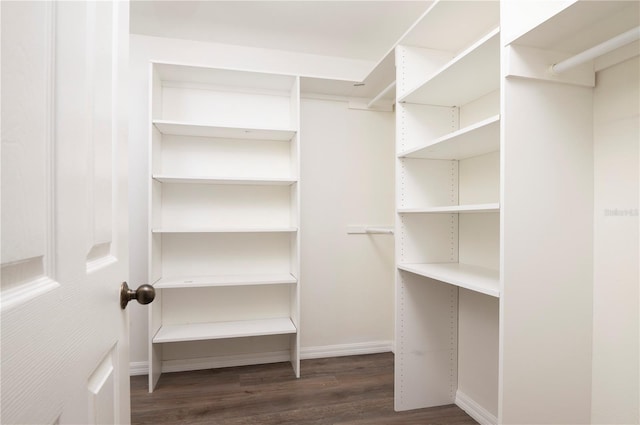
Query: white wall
x,y
347,159
616,309
346,281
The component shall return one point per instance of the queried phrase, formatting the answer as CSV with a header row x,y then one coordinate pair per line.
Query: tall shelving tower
x,y
224,241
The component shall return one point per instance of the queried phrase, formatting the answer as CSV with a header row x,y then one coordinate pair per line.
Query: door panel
x,y
27,234
64,212
102,391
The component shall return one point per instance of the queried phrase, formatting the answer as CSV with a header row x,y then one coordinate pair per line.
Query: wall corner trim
x,y
473,409
138,368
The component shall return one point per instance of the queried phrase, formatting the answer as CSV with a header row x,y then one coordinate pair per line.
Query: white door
x,y
64,213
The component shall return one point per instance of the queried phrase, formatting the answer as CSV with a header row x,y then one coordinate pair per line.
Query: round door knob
x,y
144,294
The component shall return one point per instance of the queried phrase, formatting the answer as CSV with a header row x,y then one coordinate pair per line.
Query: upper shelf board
x,y
203,130
477,139
470,75
245,80
434,29
378,87
582,25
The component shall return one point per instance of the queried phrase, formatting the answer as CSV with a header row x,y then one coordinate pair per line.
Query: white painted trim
x,y
138,368
473,409
374,347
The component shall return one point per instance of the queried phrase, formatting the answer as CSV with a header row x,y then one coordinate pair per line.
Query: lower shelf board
x,y
474,278
220,330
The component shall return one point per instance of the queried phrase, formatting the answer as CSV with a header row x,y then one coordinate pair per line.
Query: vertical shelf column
x,y
448,210
294,296
426,310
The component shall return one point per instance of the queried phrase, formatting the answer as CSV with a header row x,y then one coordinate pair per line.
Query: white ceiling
x,y
354,29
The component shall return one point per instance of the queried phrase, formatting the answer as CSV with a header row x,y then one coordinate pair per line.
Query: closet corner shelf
x,y
251,181
474,278
225,280
474,208
177,128
220,330
470,75
226,230
474,140
428,31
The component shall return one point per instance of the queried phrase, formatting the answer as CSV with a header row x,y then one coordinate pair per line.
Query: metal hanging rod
x,y
599,50
379,230
370,230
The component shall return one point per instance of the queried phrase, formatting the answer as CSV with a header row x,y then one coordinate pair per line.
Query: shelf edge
x,y
453,135
491,291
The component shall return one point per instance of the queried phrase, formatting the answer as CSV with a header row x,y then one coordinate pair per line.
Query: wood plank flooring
x,y
353,390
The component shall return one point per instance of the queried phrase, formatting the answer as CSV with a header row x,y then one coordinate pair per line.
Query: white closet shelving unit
x,y
495,207
448,206
224,242
548,349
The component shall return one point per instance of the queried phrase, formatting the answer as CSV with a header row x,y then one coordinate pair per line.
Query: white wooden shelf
x,y
225,280
220,330
226,230
474,140
433,30
386,95
474,278
252,181
378,86
470,75
230,79
475,208
203,130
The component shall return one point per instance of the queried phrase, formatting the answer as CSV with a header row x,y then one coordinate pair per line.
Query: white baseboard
x,y
182,365
473,409
138,368
340,350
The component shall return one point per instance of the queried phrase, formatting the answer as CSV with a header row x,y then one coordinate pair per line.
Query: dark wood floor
x,y
354,390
